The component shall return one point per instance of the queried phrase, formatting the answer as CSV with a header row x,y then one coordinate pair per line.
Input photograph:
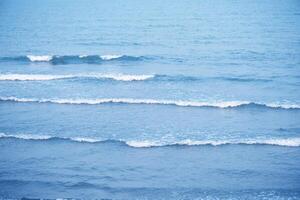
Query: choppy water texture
x,y
150,100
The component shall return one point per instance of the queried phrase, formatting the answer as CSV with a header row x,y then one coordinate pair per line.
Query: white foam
x,y
124,77
47,137
285,106
110,57
223,104
289,142
47,77
45,58
292,142
217,104
82,139
30,77
26,136
18,99
121,100
188,142
204,142
145,143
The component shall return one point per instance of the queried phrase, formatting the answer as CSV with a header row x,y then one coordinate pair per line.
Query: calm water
x,y
150,100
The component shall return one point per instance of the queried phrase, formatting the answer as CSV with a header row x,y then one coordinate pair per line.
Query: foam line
x,y
289,142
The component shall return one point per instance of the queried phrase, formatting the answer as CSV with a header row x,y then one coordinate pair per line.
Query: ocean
x,y
150,99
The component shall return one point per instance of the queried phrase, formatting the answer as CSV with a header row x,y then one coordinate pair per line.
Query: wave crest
x,y
49,77
39,58
289,142
73,59
123,77
110,57
181,103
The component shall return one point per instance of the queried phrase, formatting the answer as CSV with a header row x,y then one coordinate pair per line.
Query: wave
x,y
49,77
197,78
239,79
289,142
73,59
181,103
121,77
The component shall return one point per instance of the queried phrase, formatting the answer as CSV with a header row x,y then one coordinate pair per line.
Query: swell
x,y
180,103
73,59
288,142
49,77
121,77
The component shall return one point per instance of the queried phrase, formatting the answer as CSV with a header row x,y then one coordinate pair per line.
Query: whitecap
x,y
145,143
83,139
215,104
288,142
110,57
48,77
26,136
124,77
45,58
30,77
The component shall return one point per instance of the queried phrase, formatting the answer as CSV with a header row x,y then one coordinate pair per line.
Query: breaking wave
x,y
122,77
73,59
182,103
289,142
49,77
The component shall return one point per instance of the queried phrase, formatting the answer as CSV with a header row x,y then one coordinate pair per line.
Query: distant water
x,y
149,100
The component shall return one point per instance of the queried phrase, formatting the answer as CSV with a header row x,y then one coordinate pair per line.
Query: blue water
x,y
150,99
